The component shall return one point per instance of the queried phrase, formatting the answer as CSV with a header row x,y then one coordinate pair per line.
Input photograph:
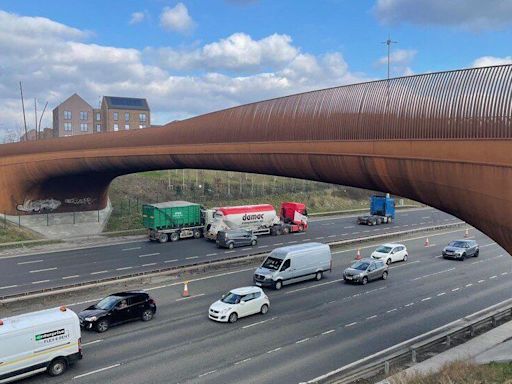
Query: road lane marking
x,y
308,239
274,350
331,236
43,270
131,249
194,257
243,361
208,254
70,277
371,317
504,273
92,342
493,277
313,286
320,238
455,289
481,281
426,217
150,254
351,324
190,297
344,234
123,268
300,233
278,243
302,341
426,299
469,285
258,323
148,265
8,286
40,281
30,262
408,305
350,226
229,251
170,261
263,246
99,272
433,274
291,242
329,331
97,370
207,373
441,294
391,310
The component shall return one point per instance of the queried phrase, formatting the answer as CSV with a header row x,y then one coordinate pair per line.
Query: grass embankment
x,y
215,188
10,233
463,373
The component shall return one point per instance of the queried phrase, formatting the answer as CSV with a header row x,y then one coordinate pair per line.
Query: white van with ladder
x,y
47,340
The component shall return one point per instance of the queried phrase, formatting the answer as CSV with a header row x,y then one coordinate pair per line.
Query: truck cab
x,y
382,210
294,217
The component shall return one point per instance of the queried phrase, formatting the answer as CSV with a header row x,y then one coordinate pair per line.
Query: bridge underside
x,y
428,138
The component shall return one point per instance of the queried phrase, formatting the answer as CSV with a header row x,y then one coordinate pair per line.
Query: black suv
x,y
116,309
235,238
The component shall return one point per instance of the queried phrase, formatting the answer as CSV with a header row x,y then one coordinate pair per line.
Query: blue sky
x,y
193,56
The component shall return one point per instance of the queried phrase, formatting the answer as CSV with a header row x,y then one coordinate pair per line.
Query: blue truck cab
x,y
382,210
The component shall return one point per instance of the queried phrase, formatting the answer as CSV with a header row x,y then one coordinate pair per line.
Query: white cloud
x,y
137,17
58,61
177,19
400,61
472,14
486,61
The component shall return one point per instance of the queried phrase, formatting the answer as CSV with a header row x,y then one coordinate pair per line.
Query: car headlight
x,y
92,318
225,310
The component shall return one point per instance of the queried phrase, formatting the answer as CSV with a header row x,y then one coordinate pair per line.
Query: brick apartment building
x,y
75,116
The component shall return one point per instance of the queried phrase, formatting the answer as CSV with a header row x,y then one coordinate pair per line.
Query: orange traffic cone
x,y
358,254
466,233
426,242
185,290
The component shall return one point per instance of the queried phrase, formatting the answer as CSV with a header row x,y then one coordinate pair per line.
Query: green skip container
x,y
171,214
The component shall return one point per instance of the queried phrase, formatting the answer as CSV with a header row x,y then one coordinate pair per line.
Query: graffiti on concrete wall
x,y
80,201
39,205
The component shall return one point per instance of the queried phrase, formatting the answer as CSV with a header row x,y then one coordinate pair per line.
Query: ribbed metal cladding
x,y
466,104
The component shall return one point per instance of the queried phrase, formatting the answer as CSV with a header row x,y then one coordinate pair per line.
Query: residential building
x,y
124,113
74,116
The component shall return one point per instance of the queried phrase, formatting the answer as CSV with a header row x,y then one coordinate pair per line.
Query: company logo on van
x,y
50,334
258,216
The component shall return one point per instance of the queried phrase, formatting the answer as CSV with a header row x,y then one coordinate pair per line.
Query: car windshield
x,y
272,263
231,298
383,249
107,303
360,266
458,244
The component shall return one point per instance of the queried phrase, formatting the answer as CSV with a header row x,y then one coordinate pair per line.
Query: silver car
x,y
365,270
460,249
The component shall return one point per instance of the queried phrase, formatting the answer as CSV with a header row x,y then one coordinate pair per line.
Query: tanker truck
x,y
260,219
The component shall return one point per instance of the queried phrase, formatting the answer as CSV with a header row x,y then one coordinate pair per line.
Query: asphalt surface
x,y
312,328
19,274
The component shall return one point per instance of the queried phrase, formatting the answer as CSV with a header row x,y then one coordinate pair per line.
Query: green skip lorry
x,y
173,220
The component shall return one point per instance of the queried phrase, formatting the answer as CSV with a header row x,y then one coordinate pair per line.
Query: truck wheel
x,y
175,236
163,238
57,367
301,228
253,243
390,220
197,234
278,285
286,230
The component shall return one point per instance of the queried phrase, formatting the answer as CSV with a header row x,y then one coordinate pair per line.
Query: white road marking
x,y
96,371
504,273
170,261
308,239
8,286
190,297
274,350
350,226
469,285
131,249
302,341
148,265
243,361
43,270
92,342
455,289
99,272
441,294
299,233
209,254
313,286
207,373
426,299
351,324
30,262
391,310
481,281
193,257
355,233
123,268
278,243
229,251
433,274
493,277
329,331
426,217
371,317
344,234
70,277
331,236
40,282
263,246
258,323
320,238
150,254
291,242
408,305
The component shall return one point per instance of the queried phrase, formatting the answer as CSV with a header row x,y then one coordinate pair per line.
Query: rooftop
x,y
126,103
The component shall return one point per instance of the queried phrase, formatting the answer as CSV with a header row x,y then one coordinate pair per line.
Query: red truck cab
x,y
294,216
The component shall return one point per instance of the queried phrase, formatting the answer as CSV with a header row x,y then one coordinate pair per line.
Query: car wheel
x,y
318,276
197,234
390,220
388,261
57,367
253,243
102,326
175,236
278,285
163,238
233,317
264,309
147,315
231,245
384,275
365,280
477,253
463,257
405,257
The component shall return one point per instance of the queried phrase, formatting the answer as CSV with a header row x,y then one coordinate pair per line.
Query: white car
x,y
238,303
389,253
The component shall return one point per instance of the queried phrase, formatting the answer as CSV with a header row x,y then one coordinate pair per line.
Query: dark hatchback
x,y
235,238
460,249
116,309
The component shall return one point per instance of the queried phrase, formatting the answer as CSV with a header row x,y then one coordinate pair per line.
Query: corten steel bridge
x,y
443,139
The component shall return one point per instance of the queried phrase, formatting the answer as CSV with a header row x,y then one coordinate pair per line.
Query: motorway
x,y
19,274
312,328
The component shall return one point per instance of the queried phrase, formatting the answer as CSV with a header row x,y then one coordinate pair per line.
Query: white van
x,y
47,340
294,263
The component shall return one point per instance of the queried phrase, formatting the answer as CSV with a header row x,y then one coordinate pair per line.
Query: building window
x,y
67,126
127,116
142,126
84,115
127,126
83,127
142,117
116,116
67,115
116,127
98,127
98,116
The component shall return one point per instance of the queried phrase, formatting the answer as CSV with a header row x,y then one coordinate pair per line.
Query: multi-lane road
x,y
19,274
312,328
